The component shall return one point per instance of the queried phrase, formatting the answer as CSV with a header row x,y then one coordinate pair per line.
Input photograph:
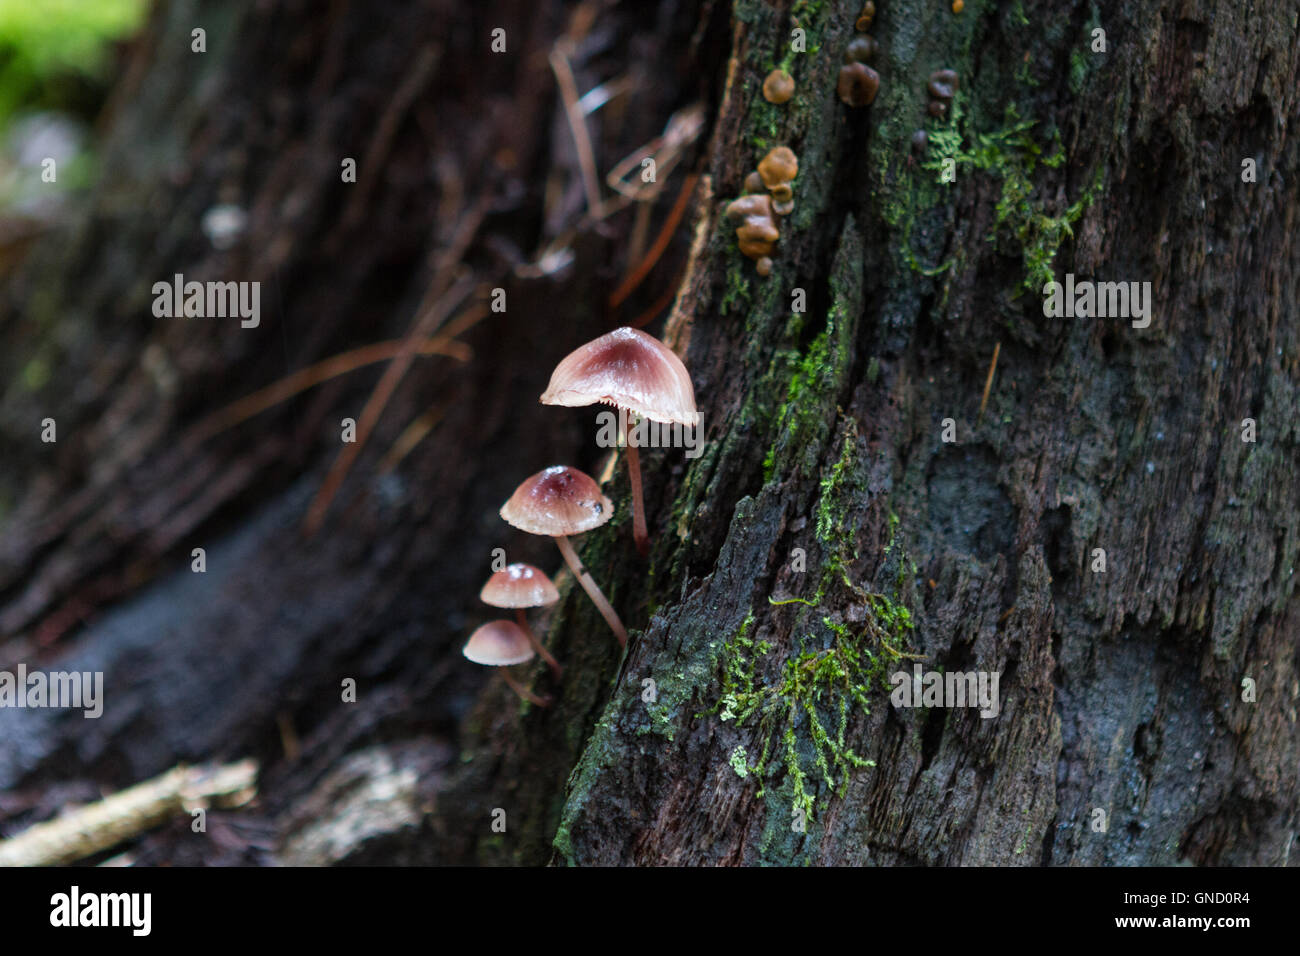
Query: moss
x,y
819,373
802,718
1020,223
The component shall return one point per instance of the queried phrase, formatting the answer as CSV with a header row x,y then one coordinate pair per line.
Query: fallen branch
x,y
113,820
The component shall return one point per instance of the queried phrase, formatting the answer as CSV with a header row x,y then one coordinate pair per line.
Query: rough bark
x,y
1120,691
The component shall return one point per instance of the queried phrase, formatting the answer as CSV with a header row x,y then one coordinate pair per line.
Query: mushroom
x,y
861,49
636,372
779,166
757,232
778,87
764,266
919,141
520,586
558,502
782,192
938,108
943,84
857,84
501,644
754,183
783,208
863,23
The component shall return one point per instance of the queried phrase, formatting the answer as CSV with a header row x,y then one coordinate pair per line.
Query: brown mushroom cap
x,y
628,369
943,84
857,85
558,501
498,644
778,87
519,585
779,166
754,183
861,49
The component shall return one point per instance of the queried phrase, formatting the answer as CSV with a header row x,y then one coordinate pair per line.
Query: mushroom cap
x,y
498,644
778,87
519,585
861,49
780,165
558,501
857,84
749,206
628,369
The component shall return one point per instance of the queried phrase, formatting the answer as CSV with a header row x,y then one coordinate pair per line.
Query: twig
x,y
666,232
382,141
128,813
988,382
291,385
578,124
374,407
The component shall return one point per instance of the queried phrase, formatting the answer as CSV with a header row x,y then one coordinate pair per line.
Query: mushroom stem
x,y
638,505
542,652
593,592
523,691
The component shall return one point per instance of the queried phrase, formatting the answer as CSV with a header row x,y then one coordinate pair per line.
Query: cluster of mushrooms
x,y
633,372
768,193
858,83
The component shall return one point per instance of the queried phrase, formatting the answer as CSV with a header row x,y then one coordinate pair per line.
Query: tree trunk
x,y
829,536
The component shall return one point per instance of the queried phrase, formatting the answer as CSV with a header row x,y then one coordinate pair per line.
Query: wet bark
x,y
1120,691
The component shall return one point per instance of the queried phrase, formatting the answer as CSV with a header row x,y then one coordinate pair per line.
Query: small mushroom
x,y
778,87
938,108
781,192
519,586
780,165
758,231
783,208
958,6
558,502
635,372
764,266
503,644
919,141
754,183
861,50
863,23
857,85
943,84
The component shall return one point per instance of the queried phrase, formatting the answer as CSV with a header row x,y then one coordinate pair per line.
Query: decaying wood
x,y
1121,691
101,826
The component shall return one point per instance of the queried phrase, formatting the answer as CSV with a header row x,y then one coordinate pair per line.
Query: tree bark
x,y
827,537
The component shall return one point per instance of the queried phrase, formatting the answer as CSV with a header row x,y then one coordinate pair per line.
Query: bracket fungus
x,y
634,372
778,87
857,85
558,502
503,644
520,586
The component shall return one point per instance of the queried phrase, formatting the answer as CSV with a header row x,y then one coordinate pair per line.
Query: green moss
x,y
804,715
819,373
1020,223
